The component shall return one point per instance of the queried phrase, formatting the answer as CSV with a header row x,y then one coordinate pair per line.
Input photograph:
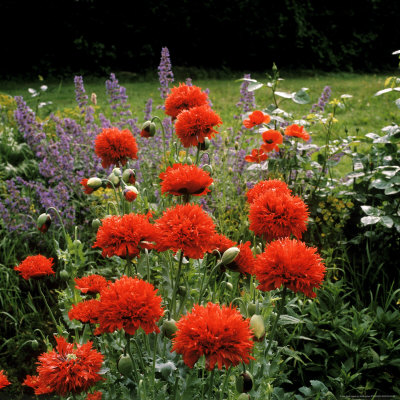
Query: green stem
x,y
47,305
59,217
208,281
227,375
211,384
280,309
178,276
148,266
197,154
163,135
128,348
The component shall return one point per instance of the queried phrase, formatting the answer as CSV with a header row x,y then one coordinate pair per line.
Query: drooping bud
x,y
125,365
130,193
43,222
148,129
205,145
168,328
96,223
230,255
258,327
244,382
114,179
117,172
251,309
229,286
94,183
34,344
129,176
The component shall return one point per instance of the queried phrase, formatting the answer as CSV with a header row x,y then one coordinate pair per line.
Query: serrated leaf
x,y
372,211
370,220
301,97
383,91
284,94
254,86
387,221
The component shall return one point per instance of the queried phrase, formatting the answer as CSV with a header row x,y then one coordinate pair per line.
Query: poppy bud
x,y
205,145
94,183
64,275
43,222
113,178
244,396
236,145
117,172
251,309
169,327
96,223
244,382
130,193
125,365
148,129
229,286
207,168
230,255
34,344
256,249
129,176
258,327
77,243
182,290
187,161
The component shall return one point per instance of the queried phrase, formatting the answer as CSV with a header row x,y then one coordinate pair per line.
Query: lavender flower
x,y
165,74
322,101
148,110
247,101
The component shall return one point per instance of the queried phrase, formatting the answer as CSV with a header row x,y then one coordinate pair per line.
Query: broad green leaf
x,y
284,94
380,184
397,102
254,86
301,97
387,221
372,136
356,175
246,79
383,91
392,190
370,220
372,211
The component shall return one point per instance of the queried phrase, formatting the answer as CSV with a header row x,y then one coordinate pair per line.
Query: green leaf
x,y
372,211
392,190
356,175
387,221
288,319
397,102
372,136
246,79
254,86
284,94
370,220
380,184
301,97
383,91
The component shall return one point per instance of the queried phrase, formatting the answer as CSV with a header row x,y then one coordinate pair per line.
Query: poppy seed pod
x,y
169,327
148,129
96,223
43,222
129,176
125,365
258,327
130,193
244,382
230,255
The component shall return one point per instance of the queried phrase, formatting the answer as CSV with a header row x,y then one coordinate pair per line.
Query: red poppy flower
x,y
35,267
87,189
94,396
219,333
297,131
85,311
291,263
256,118
91,284
185,227
184,97
256,156
194,125
125,236
114,147
129,303
184,179
130,193
221,243
271,140
37,385
262,186
3,380
67,369
275,215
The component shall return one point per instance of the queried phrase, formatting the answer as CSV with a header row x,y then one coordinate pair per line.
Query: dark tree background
x,y
61,37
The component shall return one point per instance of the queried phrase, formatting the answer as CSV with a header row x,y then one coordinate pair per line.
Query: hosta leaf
x,y
392,190
380,184
370,220
372,211
301,97
387,221
284,94
383,91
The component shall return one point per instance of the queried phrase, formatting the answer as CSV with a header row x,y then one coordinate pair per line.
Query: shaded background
x,y
65,37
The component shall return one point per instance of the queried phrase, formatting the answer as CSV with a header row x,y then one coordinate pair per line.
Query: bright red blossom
x,y
276,215
194,125
114,147
184,179
94,396
67,369
297,131
256,156
3,380
271,140
86,311
91,284
262,186
125,236
129,304
291,263
183,98
219,333
87,189
185,227
35,267
256,118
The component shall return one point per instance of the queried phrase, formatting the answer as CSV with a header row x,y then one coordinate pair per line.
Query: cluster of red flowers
x,y
3,380
115,147
195,120
219,333
67,369
91,284
183,179
291,263
86,311
125,236
35,267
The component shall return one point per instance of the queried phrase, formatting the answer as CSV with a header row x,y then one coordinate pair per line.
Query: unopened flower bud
x,y
130,193
43,222
169,327
230,255
64,275
229,286
205,145
148,129
77,243
187,160
256,249
236,145
244,396
258,327
207,168
251,309
125,365
129,176
244,382
96,223
34,344
117,172
94,183
114,179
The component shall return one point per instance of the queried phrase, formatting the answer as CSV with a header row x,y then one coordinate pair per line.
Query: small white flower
x,y
42,104
43,87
